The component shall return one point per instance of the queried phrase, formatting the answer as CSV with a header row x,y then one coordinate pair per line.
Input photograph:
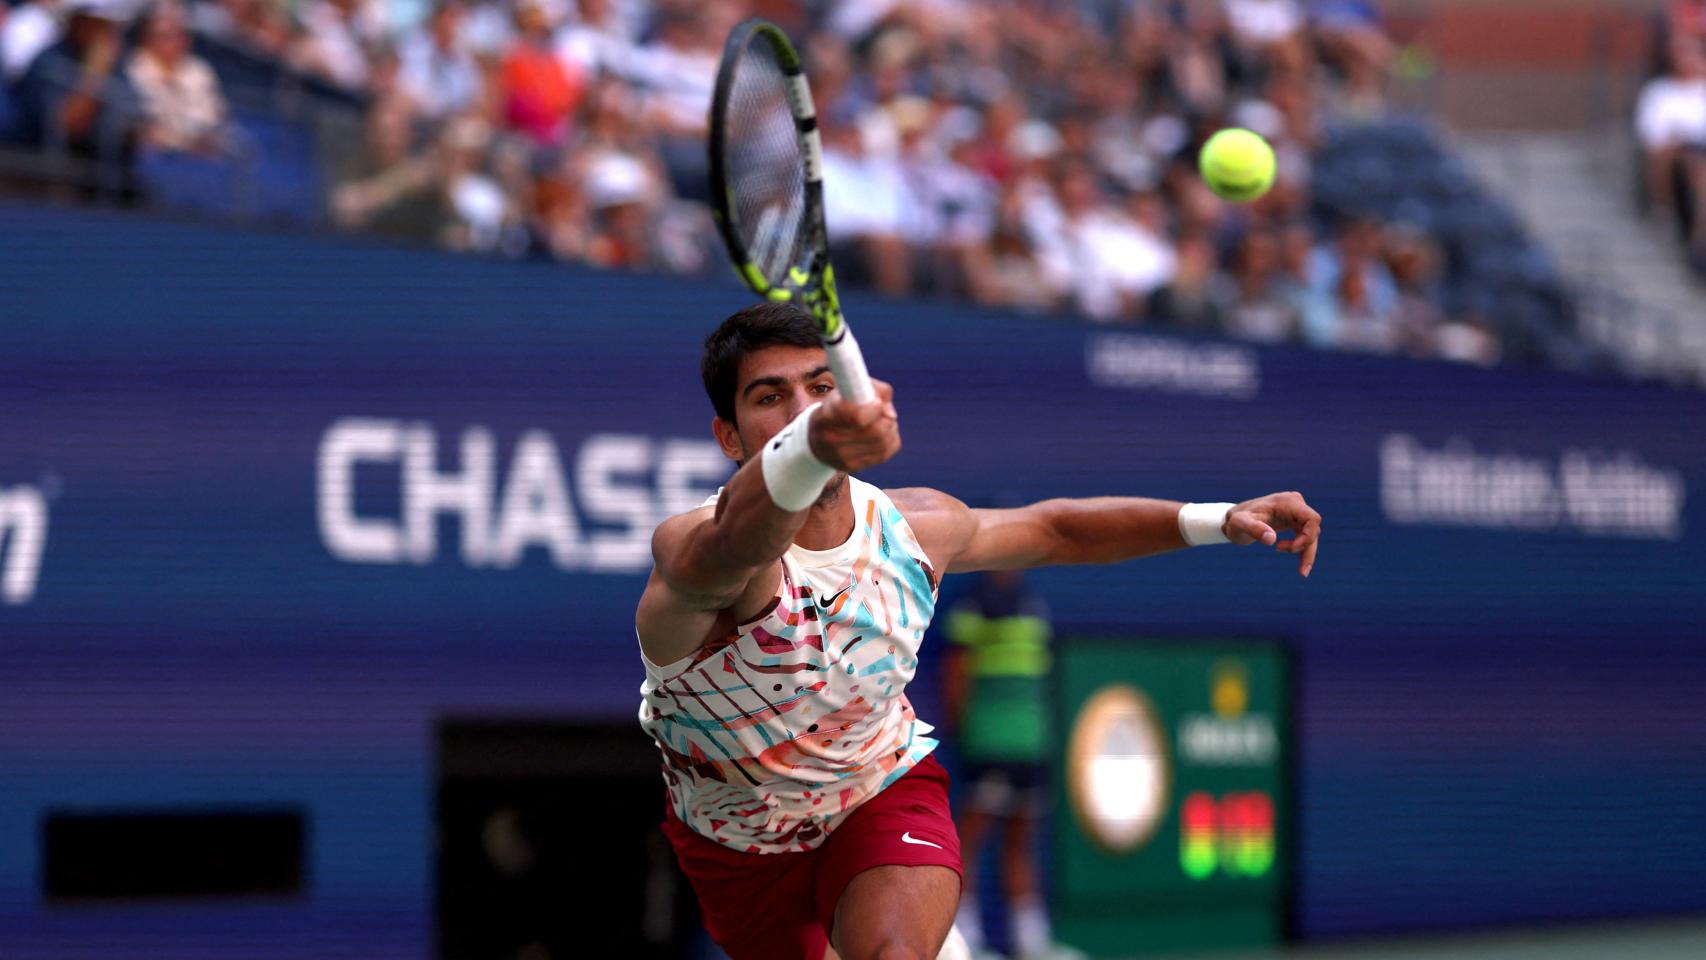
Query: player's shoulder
x,y
673,530
942,523
925,502
939,519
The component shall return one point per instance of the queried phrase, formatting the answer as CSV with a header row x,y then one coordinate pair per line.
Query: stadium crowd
x,y
1032,154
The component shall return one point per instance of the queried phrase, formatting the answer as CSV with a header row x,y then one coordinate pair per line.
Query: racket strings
x,y
763,164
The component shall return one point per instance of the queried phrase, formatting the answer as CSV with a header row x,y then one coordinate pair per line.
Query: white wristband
x,y
793,476
1200,523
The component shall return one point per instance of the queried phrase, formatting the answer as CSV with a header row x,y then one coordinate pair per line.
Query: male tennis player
x,y
781,626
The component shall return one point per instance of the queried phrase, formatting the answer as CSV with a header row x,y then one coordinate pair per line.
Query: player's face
x,y
774,385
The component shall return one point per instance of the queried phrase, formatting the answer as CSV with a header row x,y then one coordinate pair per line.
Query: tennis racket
x,y
767,188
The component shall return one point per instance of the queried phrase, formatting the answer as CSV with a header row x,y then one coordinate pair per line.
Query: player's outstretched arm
x,y
711,553
707,560
1101,529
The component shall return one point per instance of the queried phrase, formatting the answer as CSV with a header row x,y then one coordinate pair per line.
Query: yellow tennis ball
x,y
1238,165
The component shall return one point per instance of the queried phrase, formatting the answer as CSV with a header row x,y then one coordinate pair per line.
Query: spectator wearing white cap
x,y
28,30
622,193
484,217
75,97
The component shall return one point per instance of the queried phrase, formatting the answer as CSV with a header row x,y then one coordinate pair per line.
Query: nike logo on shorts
x,y
907,837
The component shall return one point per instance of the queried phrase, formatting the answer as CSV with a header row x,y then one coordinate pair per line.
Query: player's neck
x,y
830,521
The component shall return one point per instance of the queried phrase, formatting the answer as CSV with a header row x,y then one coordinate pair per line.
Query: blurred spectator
x,y
862,207
1670,121
1346,317
1012,276
621,194
334,42
75,97
676,72
1192,301
1353,43
595,43
438,74
1106,261
540,94
394,189
1354,303
180,94
1258,308
946,207
489,28
259,26
484,217
1413,259
25,32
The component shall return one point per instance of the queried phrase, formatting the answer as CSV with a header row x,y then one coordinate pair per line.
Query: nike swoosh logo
x,y
907,837
829,601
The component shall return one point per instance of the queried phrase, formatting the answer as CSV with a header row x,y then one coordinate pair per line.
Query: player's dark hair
x,y
758,326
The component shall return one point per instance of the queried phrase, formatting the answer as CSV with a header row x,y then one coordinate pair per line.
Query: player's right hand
x,y
856,436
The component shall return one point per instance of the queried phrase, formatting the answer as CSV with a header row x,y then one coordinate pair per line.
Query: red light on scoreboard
x,y
1234,834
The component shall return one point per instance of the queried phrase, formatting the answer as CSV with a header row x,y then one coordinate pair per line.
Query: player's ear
x,y
728,438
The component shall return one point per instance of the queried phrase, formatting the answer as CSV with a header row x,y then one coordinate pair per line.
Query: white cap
x,y
1033,139
615,179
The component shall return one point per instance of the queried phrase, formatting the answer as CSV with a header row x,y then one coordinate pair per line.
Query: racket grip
x,y
848,365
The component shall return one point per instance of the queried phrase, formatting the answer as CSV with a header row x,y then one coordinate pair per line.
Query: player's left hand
x,y
1262,519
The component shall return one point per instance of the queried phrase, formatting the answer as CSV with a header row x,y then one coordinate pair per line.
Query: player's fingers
x,y
879,434
871,451
847,415
1303,543
1244,527
1308,562
883,389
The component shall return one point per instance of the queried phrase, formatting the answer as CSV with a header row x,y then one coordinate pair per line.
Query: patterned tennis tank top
x,y
773,734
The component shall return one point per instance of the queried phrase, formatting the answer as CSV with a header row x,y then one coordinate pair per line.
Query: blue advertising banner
x,y
270,506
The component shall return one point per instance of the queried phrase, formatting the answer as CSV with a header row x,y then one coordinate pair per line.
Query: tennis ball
x,y
1238,165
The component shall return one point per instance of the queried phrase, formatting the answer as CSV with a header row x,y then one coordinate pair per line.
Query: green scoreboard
x,y
1172,814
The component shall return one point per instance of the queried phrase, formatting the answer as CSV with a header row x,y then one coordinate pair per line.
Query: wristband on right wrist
x,y
794,477
1201,523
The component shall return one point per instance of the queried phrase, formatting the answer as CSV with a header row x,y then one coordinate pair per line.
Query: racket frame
x,y
810,283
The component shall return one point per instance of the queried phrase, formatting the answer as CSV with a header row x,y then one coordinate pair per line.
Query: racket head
x,y
766,164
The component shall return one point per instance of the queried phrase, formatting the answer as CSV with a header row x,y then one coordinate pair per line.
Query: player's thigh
x,y
898,911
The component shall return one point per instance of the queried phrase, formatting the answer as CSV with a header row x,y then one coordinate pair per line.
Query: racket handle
x,y
848,365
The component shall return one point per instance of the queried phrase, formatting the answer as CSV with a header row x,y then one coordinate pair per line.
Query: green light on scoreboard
x,y
1233,835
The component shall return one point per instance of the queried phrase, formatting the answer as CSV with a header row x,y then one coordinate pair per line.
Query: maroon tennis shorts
x,y
781,906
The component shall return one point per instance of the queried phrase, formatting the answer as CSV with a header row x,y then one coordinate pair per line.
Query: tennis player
x,y
779,630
